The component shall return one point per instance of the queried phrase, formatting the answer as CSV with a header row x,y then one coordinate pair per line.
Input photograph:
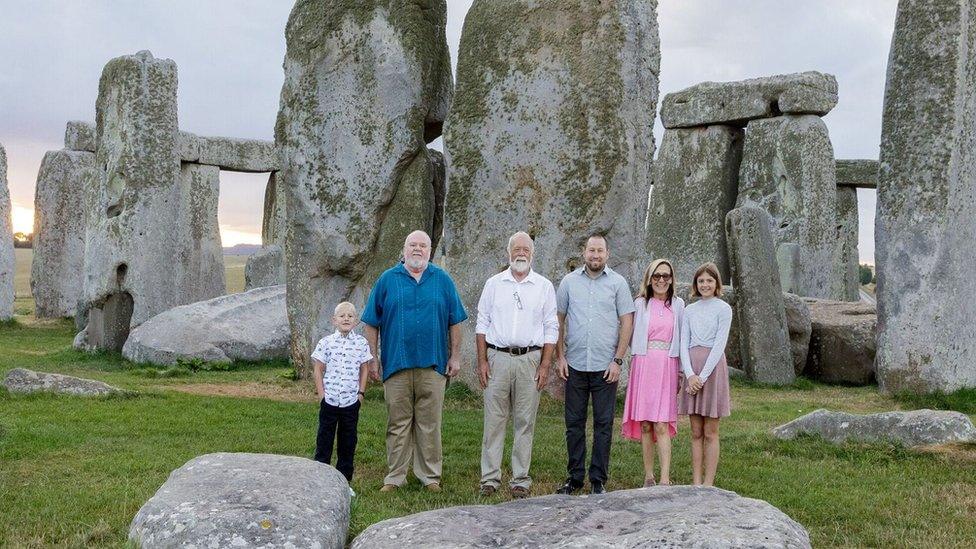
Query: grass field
x,y
74,471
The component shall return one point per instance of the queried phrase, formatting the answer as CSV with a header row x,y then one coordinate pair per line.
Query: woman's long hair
x,y
646,291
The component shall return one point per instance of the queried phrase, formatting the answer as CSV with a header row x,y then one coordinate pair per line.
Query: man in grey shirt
x,y
596,318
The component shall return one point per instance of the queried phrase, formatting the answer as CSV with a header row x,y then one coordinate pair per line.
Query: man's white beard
x,y
416,263
520,265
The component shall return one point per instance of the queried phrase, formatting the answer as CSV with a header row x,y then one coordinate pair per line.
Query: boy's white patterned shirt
x,y
342,357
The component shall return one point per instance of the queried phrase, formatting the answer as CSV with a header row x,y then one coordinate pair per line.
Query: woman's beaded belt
x,y
658,344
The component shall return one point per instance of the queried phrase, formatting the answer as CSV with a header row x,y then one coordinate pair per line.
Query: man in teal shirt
x,y
414,312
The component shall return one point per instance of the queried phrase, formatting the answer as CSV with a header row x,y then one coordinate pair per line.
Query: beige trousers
x,y
511,391
414,402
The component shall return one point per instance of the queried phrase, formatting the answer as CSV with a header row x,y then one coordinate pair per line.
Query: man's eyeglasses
x,y
518,300
661,276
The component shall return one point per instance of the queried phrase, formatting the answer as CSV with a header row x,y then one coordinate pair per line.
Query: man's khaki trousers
x,y
511,391
414,402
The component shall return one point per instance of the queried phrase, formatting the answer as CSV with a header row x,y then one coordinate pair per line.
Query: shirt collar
x,y
606,271
338,335
507,275
402,268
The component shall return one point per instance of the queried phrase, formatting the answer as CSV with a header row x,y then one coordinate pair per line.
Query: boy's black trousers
x,y
337,425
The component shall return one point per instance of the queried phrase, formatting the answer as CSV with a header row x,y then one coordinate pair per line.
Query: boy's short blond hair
x,y
344,305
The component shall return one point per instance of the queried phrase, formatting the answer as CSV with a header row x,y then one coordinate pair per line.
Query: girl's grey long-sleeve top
x,y
705,323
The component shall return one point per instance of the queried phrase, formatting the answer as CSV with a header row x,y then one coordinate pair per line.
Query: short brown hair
x,y
712,271
599,235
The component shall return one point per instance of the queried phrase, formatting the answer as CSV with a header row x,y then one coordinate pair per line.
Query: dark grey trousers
x,y
580,389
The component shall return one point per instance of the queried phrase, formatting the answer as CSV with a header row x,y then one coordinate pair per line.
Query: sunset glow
x,y
231,237
23,219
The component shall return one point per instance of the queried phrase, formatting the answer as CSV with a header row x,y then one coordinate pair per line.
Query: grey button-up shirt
x,y
593,307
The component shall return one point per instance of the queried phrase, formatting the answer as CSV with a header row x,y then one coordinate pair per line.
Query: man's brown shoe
x,y
487,490
433,487
389,488
520,492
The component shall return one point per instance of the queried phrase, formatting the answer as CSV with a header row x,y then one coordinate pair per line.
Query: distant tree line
x,y
866,274
23,240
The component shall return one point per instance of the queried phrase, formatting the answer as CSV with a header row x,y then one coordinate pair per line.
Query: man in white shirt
x,y
516,334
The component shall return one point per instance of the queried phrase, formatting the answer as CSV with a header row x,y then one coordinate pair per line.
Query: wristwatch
x,y
618,361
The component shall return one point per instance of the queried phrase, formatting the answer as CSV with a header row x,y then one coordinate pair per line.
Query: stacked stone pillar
x,y
6,245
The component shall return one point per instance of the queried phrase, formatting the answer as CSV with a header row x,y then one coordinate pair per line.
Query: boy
x,y
341,362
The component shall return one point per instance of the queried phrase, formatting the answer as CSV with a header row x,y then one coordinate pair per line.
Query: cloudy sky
x,y
229,54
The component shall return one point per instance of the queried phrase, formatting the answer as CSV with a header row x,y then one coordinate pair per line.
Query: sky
x,y
229,54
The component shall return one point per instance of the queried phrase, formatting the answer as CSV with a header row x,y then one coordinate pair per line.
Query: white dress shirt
x,y
518,314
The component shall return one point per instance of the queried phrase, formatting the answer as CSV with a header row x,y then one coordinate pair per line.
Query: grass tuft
x,y
963,400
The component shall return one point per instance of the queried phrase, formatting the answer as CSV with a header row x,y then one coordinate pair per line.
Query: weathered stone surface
x,y
354,164
274,223
60,200
736,103
229,153
861,173
764,339
266,267
663,516
925,231
846,279
913,428
788,170
798,322
702,163
842,345
79,136
20,380
152,240
246,500
6,245
249,326
550,133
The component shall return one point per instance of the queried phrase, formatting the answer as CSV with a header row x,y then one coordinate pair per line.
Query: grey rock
x,y
274,223
846,279
152,240
662,516
699,162
266,267
842,344
60,200
799,324
249,326
912,428
6,245
764,339
246,500
788,261
357,173
924,230
79,136
229,153
20,380
860,173
736,103
788,170
585,165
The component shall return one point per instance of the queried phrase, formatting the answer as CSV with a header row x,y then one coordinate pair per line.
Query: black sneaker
x,y
597,488
570,487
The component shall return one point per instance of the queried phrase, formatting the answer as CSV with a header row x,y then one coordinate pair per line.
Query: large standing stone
x,y
925,225
79,136
736,103
246,500
550,133
912,428
702,163
6,245
152,240
274,222
846,279
764,339
265,267
58,265
788,170
842,343
367,84
249,326
665,516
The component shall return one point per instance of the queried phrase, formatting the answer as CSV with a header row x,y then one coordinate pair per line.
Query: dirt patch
x,y
248,390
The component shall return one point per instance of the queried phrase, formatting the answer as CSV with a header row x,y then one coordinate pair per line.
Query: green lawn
x,y
74,471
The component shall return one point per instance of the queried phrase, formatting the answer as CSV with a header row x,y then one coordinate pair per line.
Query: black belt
x,y
517,351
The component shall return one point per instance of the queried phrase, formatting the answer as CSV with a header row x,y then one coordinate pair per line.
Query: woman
x,y
651,407
704,397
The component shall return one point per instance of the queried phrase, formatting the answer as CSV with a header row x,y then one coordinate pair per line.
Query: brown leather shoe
x,y
519,492
487,490
389,488
433,487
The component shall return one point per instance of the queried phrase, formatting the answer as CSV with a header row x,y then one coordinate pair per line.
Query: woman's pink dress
x,y
653,386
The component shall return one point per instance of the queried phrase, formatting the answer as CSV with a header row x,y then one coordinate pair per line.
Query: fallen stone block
x,y
662,516
912,428
20,380
842,344
246,500
736,103
248,326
